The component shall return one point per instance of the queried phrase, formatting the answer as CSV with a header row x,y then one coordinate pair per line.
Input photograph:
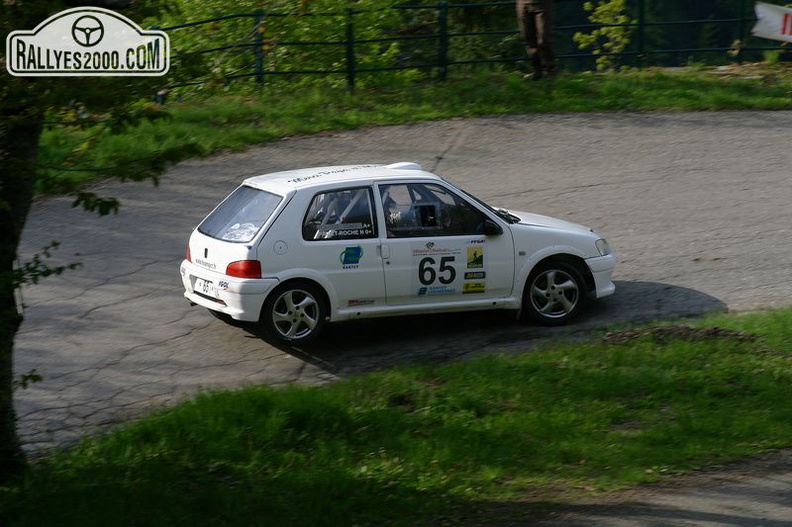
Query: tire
x,y
554,294
294,313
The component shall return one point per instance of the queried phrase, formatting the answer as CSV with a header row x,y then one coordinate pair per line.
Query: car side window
x,y
417,209
340,215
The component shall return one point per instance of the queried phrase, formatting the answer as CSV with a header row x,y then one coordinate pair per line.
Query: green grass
x,y
426,444
231,122
430,444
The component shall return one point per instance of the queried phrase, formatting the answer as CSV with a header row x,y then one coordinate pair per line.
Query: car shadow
x,y
360,346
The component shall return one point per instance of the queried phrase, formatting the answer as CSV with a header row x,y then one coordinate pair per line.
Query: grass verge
x,y
436,443
235,121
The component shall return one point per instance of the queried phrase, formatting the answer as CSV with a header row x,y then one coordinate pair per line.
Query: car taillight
x,y
244,269
188,256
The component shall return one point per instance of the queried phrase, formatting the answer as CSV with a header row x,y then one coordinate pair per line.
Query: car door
x,y
435,247
341,242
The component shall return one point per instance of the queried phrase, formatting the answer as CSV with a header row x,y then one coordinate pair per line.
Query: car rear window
x,y
241,215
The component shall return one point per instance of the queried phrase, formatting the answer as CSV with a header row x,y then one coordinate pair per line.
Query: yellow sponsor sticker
x,y
474,287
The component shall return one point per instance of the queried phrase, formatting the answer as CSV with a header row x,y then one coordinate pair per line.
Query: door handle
x,y
384,252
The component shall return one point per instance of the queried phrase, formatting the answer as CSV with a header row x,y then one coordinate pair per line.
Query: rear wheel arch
x,y
308,281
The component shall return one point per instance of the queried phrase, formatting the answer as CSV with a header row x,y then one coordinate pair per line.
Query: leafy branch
x,y
611,37
26,379
33,271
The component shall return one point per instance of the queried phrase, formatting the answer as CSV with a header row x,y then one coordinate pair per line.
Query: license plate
x,y
205,287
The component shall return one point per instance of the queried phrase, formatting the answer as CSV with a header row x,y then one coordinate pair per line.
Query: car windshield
x,y
502,213
240,216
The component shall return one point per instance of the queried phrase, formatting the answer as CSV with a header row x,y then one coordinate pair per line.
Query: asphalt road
x,y
696,205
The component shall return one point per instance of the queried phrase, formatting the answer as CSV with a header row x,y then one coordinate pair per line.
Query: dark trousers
x,y
536,26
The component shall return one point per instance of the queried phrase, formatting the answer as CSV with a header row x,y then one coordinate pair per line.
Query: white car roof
x,y
290,180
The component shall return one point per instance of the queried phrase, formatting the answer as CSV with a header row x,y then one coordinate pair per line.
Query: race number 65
x,y
445,272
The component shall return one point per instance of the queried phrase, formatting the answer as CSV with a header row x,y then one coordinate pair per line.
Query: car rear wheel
x,y
294,313
554,294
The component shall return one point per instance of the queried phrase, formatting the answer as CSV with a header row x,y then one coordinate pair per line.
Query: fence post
x,y
443,20
740,32
642,33
350,48
258,40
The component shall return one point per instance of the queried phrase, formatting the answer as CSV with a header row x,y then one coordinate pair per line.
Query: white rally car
x,y
295,250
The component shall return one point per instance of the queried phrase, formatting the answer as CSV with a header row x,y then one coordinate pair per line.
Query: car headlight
x,y
603,247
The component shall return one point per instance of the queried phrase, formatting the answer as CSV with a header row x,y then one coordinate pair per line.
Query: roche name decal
x,y
346,230
87,41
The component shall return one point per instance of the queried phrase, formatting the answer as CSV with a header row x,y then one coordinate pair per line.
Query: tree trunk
x,y
23,103
19,138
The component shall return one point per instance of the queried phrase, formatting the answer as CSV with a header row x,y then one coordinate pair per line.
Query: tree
x,y
27,105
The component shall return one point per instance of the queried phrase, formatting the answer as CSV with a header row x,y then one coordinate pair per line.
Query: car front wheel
x,y
554,294
294,313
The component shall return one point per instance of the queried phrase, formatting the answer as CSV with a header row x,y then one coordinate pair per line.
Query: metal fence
x,y
431,46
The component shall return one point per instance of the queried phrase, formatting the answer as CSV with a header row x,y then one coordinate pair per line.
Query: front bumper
x,y
240,298
602,271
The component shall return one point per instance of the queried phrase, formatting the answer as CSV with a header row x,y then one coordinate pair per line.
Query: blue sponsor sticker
x,y
351,255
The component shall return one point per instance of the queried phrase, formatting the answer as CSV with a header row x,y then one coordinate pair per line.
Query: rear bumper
x,y
602,271
240,298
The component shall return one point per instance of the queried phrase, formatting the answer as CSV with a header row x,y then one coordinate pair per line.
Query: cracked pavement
x,y
696,205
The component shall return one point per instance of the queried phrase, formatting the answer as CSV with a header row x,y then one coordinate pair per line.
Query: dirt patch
x,y
664,334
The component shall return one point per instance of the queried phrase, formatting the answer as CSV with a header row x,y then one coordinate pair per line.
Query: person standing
x,y
535,18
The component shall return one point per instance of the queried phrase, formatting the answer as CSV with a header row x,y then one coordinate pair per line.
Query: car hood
x,y
537,220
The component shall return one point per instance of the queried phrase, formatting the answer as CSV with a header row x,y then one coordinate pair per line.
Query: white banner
x,y
87,41
774,22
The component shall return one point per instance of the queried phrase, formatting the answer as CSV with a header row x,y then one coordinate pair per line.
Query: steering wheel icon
x,y
87,31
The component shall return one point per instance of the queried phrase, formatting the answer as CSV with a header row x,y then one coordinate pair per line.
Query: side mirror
x,y
491,228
